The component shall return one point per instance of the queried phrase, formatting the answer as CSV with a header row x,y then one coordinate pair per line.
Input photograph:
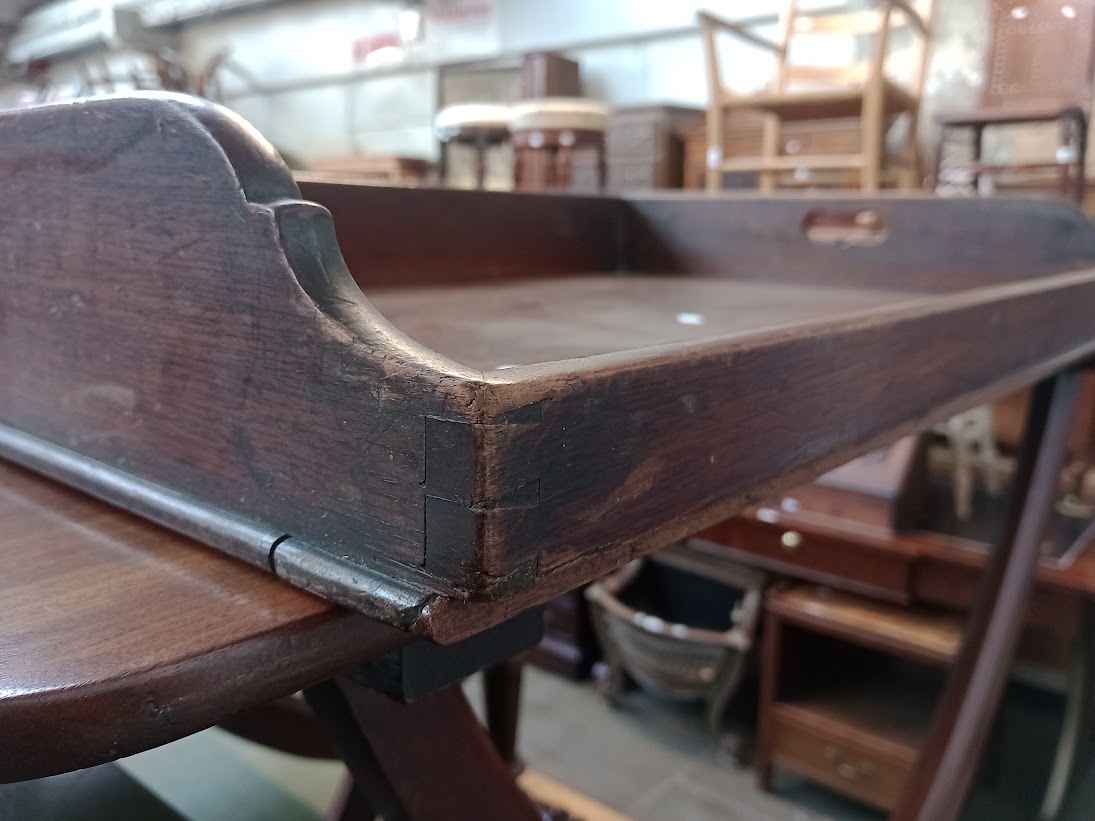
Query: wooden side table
x,y
855,726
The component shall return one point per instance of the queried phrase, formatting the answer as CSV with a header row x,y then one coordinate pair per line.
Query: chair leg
x,y
871,122
948,759
911,176
767,180
937,161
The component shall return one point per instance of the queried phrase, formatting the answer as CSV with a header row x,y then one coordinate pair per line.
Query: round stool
x,y
547,134
479,125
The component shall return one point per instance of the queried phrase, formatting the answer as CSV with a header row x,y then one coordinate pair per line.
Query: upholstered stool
x,y
479,125
549,135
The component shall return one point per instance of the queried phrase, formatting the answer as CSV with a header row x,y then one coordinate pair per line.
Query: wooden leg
x,y
770,659
502,697
480,162
950,755
1080,173
767,180
349,804
911,174
429,760
712,160
978,138
1077,720
870,176
937,161
443,164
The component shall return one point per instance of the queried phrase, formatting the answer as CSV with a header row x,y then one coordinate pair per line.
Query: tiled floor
x,y
646,759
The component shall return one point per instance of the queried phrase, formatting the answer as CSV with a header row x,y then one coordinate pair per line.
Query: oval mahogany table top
x,y
118,635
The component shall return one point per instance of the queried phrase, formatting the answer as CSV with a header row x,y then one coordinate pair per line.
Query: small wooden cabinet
x,y
847,689
547,74
644,146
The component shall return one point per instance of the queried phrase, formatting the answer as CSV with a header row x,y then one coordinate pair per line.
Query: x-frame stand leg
x,y
413,746
949,757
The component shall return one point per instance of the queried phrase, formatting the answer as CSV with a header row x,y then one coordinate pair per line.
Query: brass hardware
x,y
850,770
847,770
791,540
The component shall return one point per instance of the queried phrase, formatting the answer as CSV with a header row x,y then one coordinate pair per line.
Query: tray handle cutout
x,y
863,227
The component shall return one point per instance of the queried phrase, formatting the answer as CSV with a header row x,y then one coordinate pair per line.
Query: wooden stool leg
x,y
430,760
502,697
949,757
480,162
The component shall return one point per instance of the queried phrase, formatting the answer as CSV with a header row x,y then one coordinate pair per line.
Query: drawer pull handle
x,y
791,540
852,771
848,771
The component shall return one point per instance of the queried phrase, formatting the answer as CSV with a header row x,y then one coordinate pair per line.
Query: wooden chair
x,y
1038,69
800,93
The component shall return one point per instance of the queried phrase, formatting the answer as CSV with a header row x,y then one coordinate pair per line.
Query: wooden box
x,y
546,74
644,146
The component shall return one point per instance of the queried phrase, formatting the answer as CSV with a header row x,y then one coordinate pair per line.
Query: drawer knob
x,y
791,540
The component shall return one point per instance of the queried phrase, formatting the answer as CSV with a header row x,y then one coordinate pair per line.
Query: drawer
x,y
849,763
838,561
830,137
634,140
637,175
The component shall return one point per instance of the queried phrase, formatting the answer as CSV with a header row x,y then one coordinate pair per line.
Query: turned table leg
x,y
949,757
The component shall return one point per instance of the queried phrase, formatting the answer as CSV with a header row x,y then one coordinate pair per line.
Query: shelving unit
x,y
847,689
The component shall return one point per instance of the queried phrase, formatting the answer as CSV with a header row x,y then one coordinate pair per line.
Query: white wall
x,y
304,89
311,99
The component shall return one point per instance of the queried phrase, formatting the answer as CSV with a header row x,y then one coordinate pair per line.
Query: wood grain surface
x,y
524,322
180,335
119,635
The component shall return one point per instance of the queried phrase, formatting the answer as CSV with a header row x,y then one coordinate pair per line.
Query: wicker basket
x,y
679,630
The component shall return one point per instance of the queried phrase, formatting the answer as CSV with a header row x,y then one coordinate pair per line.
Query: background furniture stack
x,y
373,169
900,570
810,93
1038,67
645,146
472,125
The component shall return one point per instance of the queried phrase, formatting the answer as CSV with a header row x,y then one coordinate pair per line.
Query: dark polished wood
x,y
180,335
207,360
952,750
393,748
120,635
502,703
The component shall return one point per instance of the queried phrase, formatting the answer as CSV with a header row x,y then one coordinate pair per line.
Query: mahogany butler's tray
x,y
534,390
